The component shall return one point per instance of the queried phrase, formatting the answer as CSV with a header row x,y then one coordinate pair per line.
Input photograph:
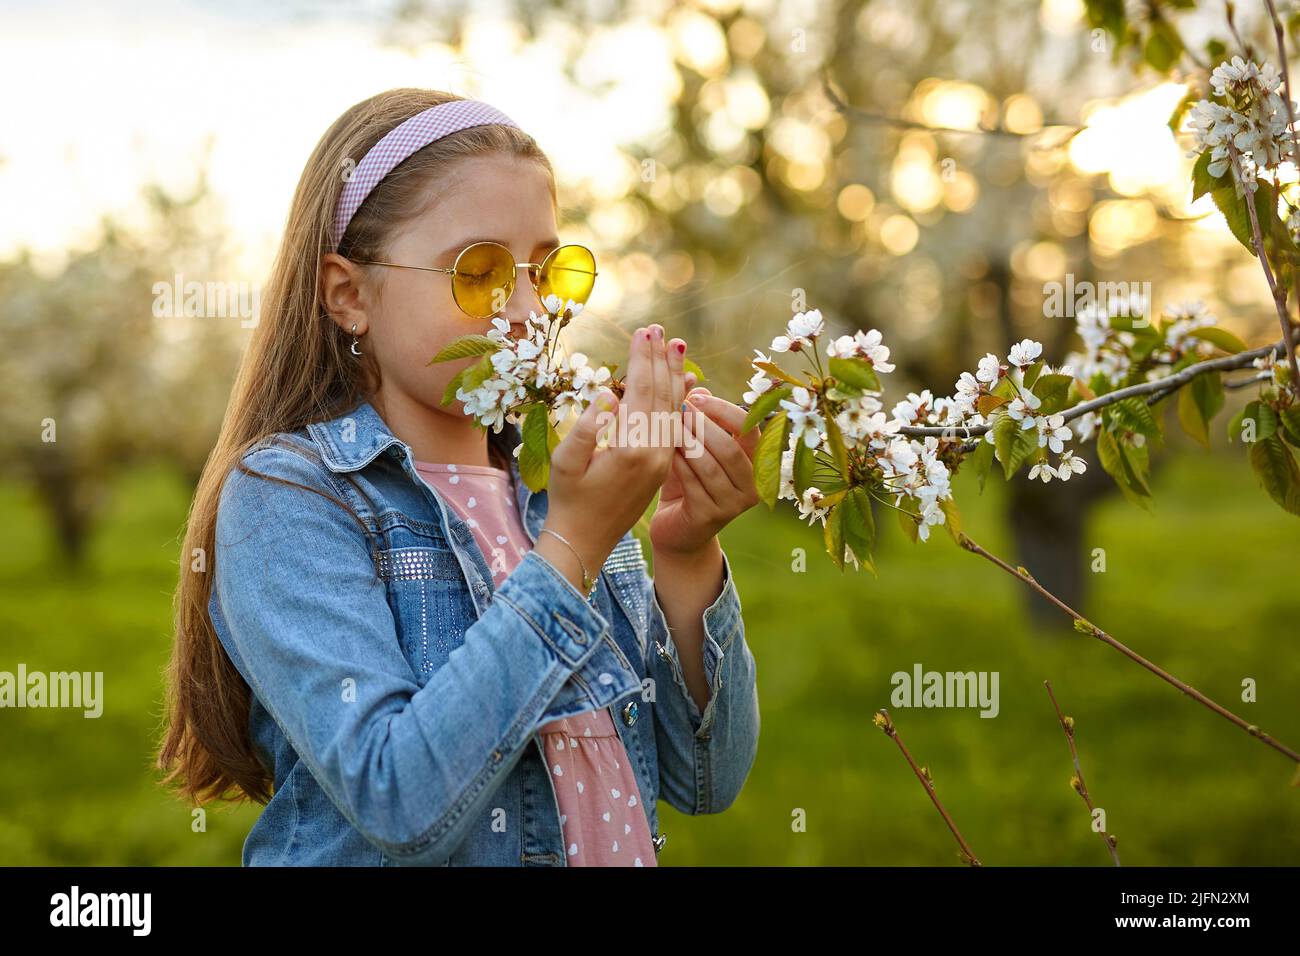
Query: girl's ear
x,y
341,292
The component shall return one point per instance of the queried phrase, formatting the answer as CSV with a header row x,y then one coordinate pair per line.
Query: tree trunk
x,y
1047,525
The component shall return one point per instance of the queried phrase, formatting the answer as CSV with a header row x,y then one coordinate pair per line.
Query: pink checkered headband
x,y
412,134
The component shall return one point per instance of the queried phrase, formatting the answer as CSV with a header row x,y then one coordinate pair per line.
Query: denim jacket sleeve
x,y
704,758
410,767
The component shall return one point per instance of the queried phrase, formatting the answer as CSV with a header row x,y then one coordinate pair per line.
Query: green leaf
x,y
1235,212
1053,390
909,523
771,368
1235,425
1163,47
1108,14
982,459
858,372
859,523
1127,469
1198,402
1290,422
535,456
1180,111
465,346
767,458
833,535
689,366
1275,467
1135,415
449,393
1137,459
1220,338
835,439
1012,443
1202,181
1030,377
1099,384
478,373
1005,388
764,404
1265,418
952,518
805,461
468,378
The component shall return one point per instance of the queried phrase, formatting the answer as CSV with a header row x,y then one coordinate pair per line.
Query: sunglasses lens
x,y
569,272
484,279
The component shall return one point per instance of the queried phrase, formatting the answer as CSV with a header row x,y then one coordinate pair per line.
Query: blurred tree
x,y
99,382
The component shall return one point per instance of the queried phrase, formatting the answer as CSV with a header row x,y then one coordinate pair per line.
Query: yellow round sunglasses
x,y
483,278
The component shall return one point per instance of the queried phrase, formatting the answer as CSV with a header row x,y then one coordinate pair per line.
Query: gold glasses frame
x,y
535,270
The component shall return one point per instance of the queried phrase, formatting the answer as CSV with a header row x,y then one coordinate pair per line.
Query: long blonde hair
x,y
298,369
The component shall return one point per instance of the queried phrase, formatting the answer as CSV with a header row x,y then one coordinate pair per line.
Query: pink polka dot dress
x,y
601,815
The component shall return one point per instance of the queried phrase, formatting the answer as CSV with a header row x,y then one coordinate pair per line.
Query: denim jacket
x,y
397,694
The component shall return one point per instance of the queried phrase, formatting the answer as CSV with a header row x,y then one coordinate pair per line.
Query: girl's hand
x,y
597,494
703,493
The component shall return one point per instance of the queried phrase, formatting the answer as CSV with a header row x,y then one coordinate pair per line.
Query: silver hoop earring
x,y
354,339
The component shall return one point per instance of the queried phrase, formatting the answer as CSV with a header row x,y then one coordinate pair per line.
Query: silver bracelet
x,y
587,582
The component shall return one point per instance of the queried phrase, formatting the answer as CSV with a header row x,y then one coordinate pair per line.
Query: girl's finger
x,y
639,385
663,380
677,367
730,417
724,449
697,496
712,472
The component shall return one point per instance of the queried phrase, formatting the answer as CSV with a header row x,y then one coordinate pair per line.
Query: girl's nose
x,y
523,301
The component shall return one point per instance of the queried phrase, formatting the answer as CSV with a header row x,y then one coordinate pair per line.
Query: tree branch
x,y
1084,626
1295,156
1161,385
1081,788
883,721
1275,287
874,116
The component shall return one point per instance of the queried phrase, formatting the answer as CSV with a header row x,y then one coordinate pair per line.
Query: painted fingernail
x,y
659,332
646,335
681,348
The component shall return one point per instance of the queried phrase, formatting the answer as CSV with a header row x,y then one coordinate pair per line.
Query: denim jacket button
x,y
659,840
629,713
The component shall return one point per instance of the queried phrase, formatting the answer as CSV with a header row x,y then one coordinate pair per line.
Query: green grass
x,y
1204,587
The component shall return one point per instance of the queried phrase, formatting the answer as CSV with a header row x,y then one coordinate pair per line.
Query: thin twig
x,y
1278,290
1232,25
1084,626
1248,380
1081,788
875,116
883,721
1295,156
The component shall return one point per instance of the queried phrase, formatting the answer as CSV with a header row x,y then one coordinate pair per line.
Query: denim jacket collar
x,y
354,439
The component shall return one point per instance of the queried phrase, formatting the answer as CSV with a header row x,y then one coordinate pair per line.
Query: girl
x,y
384,635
